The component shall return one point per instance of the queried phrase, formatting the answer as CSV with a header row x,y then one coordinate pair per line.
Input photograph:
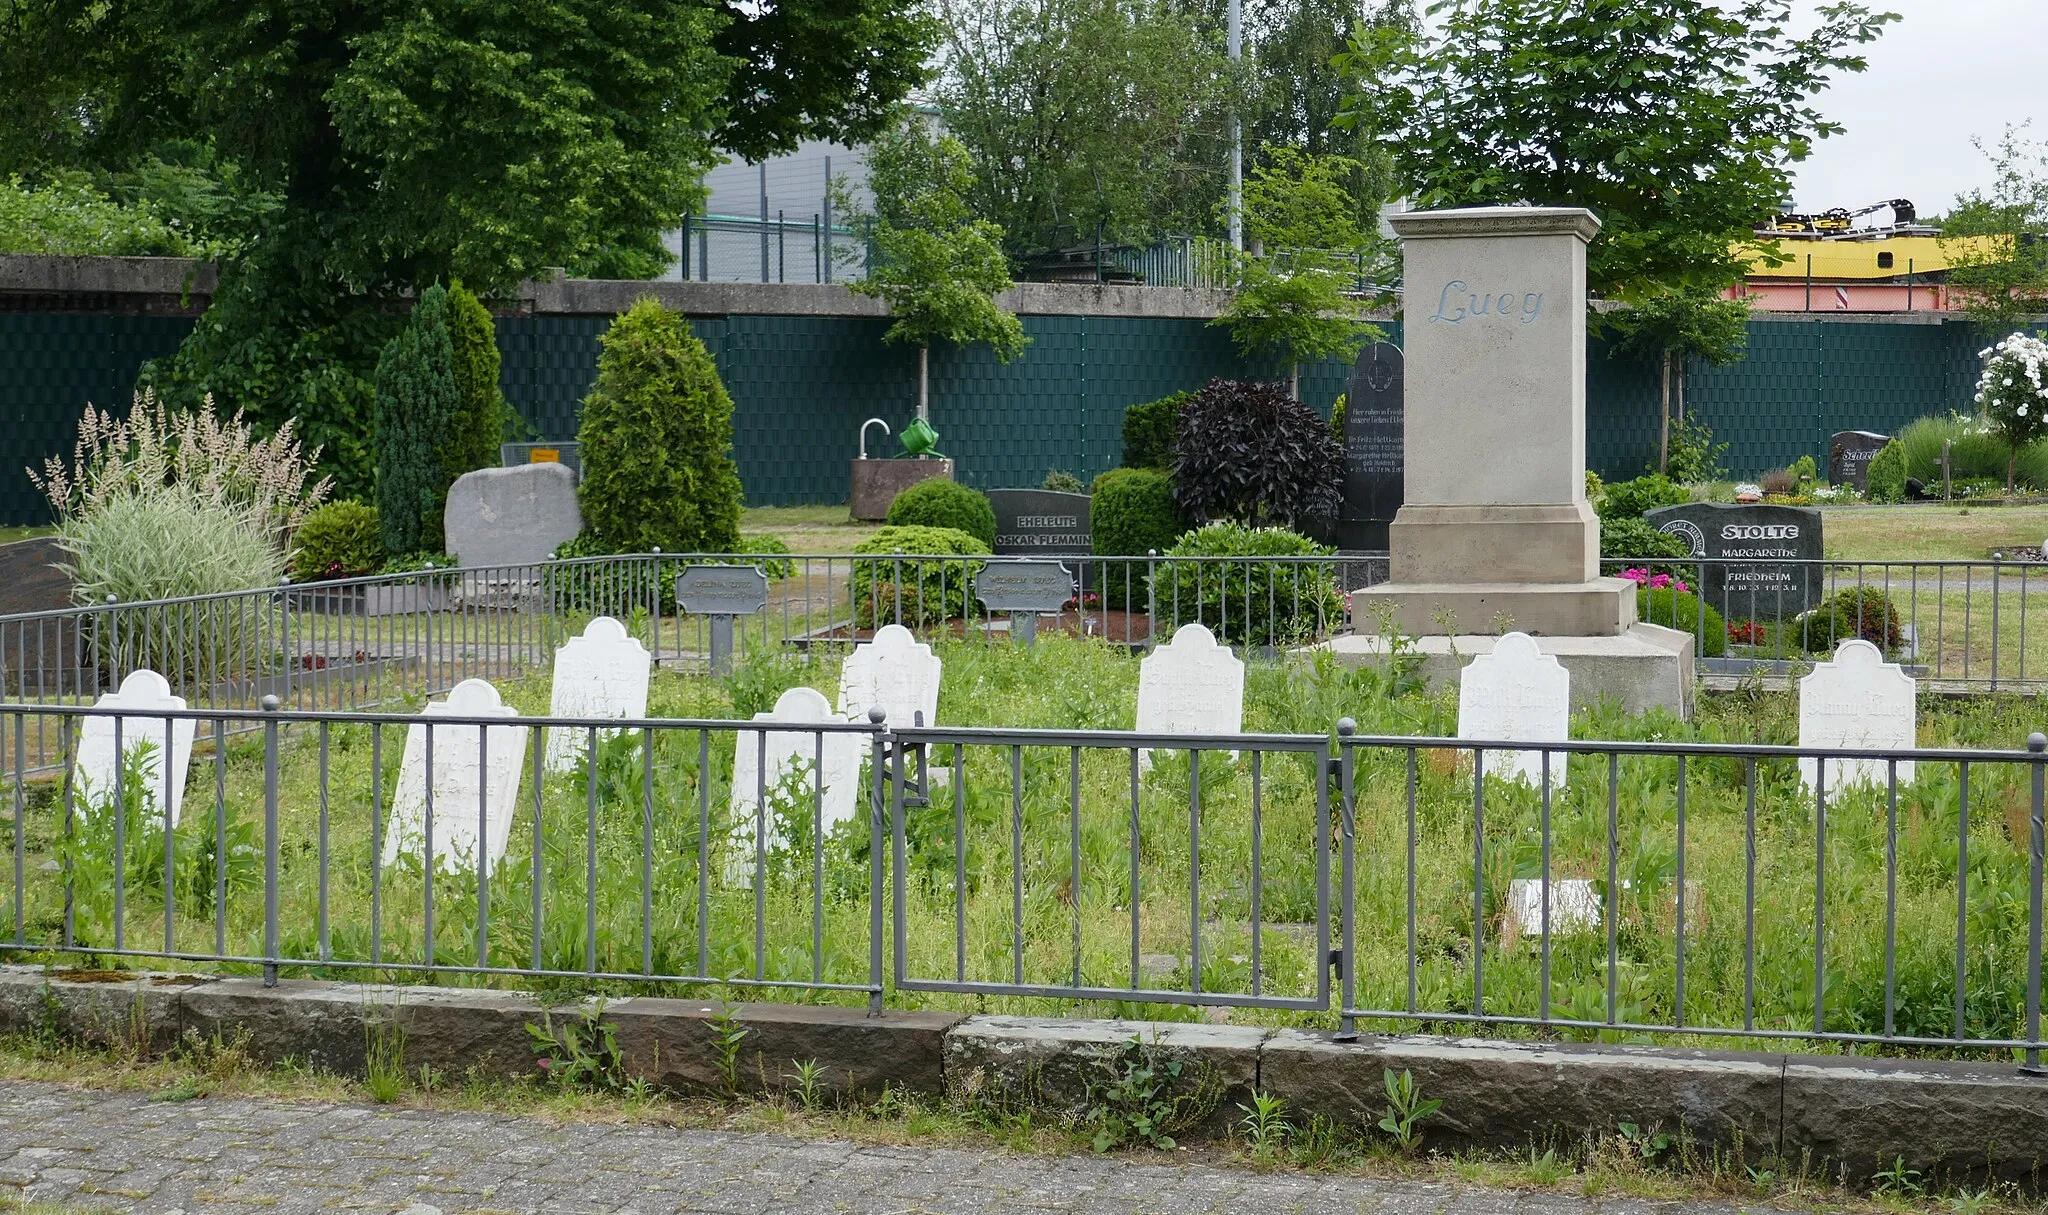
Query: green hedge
x,y
338,540
914,593
1853,612
941,503
1255,603
1151,430
1675,609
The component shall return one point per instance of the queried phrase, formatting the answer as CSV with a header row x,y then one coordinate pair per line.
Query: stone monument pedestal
x,y
1494,531
1644,667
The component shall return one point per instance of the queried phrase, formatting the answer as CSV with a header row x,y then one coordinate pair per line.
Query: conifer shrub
x,y
656,441
1150,431
478,424
416,406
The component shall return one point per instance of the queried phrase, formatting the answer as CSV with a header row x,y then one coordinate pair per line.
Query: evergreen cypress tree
x,y
656,441
416,400
478,424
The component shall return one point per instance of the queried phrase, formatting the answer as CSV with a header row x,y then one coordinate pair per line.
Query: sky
x,y
1948,70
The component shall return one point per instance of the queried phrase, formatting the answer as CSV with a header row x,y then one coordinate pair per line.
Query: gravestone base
x,y
1603,607
1645,667
1544,543
876,482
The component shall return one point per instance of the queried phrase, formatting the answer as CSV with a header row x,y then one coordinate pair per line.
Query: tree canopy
x,y
1998,238
1674,121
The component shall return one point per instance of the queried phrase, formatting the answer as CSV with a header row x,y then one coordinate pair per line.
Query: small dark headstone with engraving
x,y
1849,455
1373,460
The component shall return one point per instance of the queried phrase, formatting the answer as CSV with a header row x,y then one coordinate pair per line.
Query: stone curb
x,y
1846,1117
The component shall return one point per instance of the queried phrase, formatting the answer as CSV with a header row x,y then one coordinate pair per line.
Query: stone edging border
x,y
1844,1117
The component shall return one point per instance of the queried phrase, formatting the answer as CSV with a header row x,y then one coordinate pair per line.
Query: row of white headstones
x,y
1190,686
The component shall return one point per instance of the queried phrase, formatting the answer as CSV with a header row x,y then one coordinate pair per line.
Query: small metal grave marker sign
x,y
721,592
1024,589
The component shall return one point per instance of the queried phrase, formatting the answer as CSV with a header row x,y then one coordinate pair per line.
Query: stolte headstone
x,y
895,671
93,774
807,772
475,781
1517,694
1849,455
1041,523
511,516
1748,555
1373,435
1856,699
1190,685
601,673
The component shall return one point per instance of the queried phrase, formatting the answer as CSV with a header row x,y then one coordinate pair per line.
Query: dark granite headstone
x,y
1746,550
1849,455
1041,523
1373,459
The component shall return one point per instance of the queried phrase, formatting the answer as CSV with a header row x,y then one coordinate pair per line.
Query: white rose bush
x,y
2012,393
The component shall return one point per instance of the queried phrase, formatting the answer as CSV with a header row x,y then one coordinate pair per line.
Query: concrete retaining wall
x,y
1845,1117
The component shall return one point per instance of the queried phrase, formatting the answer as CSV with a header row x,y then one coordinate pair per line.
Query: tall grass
x,y
1974,452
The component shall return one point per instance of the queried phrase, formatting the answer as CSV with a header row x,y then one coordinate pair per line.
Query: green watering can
x,y
919,439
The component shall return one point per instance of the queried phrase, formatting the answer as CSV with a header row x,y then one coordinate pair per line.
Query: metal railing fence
x,y
1631,889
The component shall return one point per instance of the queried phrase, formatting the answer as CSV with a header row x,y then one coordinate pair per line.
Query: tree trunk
x,y
1294,381
2012,459
1664,422
924,402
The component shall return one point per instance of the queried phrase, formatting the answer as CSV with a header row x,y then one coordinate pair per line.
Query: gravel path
x,y
121,1151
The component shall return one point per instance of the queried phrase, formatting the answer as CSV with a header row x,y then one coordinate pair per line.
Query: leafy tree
x,y
479,421
656,441
1081,116
68,217
1670,327
1251,454
938,269
1674,121
1292,295
416,402
421,142
1997,240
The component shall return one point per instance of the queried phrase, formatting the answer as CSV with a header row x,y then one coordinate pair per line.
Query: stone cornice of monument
x,y
1496,221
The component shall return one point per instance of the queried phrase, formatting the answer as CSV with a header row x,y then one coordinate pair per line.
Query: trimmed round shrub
x,y
1062,481
1854,612
1886,480
941,503
770,547
657,441
914,593
1681,610
338,540
1633,537
1250,453
1634,499
618,588
1131,513
1150,431
1254,602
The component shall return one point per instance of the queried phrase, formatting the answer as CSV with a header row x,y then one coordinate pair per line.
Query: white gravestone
x,y
897,672
1190,685
1517,694
93,774
602,673
1574,907
1859,700
764,759
462,788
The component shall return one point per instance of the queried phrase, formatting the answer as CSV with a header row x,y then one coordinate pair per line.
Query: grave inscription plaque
x,y
1759,562
1024,589
1373,461
723,593
475,783
1190,685
602,672
1849,455
1517,694
1041,523
1856,700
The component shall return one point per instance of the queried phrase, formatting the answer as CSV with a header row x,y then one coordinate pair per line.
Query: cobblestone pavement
x,y
122,1151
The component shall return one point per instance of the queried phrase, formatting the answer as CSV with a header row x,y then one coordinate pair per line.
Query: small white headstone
x,y
93,774
602,673
1517,694
1856,699
897,672
463,791
1190,685
1574,907
764,759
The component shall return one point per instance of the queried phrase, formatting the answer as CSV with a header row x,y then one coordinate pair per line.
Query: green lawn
x,y
1929,532
808,529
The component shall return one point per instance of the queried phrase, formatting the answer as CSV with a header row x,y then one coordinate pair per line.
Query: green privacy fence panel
x,y
52,364
801,387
